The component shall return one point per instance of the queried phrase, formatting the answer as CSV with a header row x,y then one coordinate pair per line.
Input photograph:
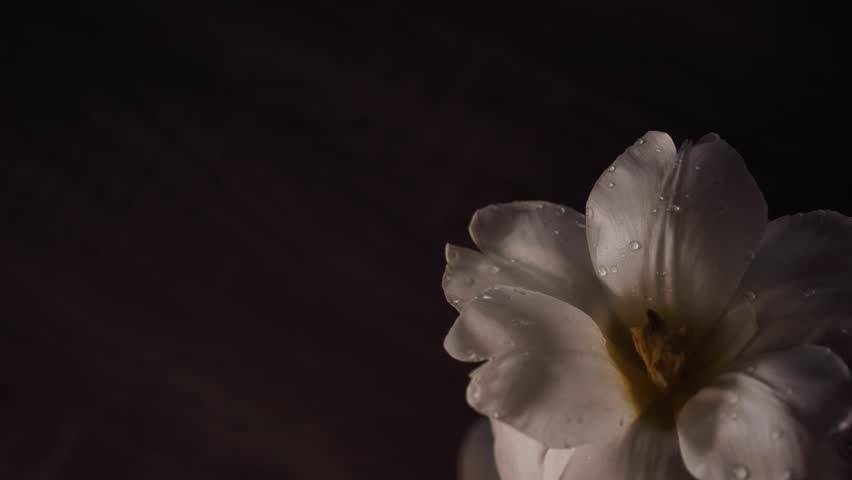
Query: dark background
x,y
222,228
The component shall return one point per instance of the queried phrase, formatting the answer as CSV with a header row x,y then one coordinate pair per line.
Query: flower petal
x,y
723,344
801,282
476,461
520,457
678,226
550,373
539,246
647,451
762,423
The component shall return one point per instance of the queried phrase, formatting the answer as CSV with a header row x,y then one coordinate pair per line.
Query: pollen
x,y
662,349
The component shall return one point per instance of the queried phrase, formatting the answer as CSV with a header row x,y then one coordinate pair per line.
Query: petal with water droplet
x,y
804,278
544,372
700,248
644,451
782,406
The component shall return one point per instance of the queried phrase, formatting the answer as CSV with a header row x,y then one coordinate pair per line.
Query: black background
x,y
223,228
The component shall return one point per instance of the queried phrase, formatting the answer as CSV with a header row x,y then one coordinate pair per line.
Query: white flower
x,y
670,333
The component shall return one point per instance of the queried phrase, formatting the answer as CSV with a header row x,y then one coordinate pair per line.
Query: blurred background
x,y
223,228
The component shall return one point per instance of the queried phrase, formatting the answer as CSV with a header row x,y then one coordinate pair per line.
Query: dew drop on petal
x,y
698,167
750,296
610,185
661,198
562,210
613,269
641,141
456,301
611,168
589,212
634,245
580,224
486,297
602,271
654,210
674,208
740,472
556,232
494,269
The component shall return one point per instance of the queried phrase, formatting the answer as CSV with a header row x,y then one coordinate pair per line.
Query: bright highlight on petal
x,y
550,374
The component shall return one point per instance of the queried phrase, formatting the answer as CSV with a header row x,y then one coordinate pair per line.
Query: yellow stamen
x,y
662,350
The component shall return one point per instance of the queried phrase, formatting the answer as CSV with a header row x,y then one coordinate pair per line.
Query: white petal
x,y
550,374
725,341
679,226
801,281
763,422
646,452
519,457
476,460
539,246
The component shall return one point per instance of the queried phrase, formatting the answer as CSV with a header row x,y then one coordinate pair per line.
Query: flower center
x,y
663,350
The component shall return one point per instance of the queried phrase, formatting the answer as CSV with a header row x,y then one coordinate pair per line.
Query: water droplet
x,y
469,281
539,206
474,391
456,301
611,168
613,269
740,472
513,260
579,223
487,297
602,271
809,292
663,273
610,185
750,296
673,208
556,232
649,298
661,198
698,167
562,210
634,245
776,434
494,269
658,149
589,212
641,141
653,210
497,414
